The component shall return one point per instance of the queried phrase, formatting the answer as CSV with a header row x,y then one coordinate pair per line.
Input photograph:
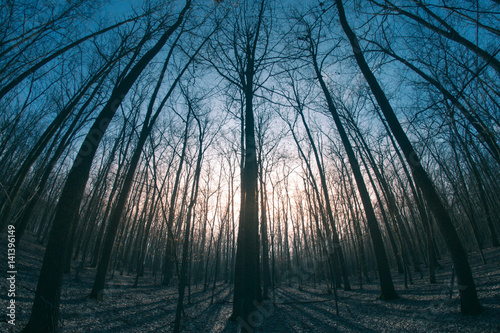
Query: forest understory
x,y
150,307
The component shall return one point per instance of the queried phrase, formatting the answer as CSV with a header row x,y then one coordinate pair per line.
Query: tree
x,y
336,248
387,291
45,312
148,124
185,246
241,63
469,301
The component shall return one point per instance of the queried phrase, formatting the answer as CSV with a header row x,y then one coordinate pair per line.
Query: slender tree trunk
x,y
247,290
337,247
468,295
266,277
387,290
185,247
169,260
45,312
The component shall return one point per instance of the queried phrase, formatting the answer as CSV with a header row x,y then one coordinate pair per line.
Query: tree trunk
x,y
387,291
468,295
45,311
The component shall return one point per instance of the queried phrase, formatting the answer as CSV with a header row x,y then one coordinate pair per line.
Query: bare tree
x,y
245,42
468,294
387,291
45,312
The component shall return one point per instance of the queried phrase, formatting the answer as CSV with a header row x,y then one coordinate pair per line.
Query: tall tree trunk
x,y
45,311
387,290
266,272
468,295
183,279
247,290
169,259
246,280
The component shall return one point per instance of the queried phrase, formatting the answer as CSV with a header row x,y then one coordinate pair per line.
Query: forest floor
x,y
423,307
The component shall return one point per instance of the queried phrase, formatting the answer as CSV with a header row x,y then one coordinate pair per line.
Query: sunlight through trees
x,y
253,144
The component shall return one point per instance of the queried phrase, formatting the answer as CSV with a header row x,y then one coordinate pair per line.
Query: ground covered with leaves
x,y
423,307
